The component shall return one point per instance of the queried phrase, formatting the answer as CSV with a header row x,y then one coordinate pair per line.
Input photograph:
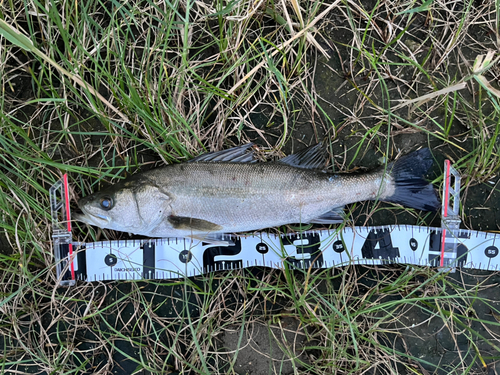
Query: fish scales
x,y
243,197
204,198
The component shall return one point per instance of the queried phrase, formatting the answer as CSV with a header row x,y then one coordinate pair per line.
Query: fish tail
x,y
411,188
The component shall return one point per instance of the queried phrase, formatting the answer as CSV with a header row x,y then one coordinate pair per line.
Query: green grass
x,y
101,90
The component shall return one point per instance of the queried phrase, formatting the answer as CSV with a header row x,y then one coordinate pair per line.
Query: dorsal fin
x,y
238,154
312,157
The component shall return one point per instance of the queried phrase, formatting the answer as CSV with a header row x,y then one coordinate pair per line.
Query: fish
x,y
229,192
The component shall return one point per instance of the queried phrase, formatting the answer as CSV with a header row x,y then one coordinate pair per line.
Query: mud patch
x,y
278,347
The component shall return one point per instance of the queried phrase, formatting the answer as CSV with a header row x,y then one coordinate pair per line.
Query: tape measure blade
x,y
114,260
178,257
412,243
479,250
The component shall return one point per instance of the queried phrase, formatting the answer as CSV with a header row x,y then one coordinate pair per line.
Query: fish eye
x,y
106,203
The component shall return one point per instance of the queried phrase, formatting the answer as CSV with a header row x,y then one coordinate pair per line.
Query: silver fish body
x,y
203,199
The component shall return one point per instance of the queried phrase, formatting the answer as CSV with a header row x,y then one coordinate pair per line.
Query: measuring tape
x,y
447,247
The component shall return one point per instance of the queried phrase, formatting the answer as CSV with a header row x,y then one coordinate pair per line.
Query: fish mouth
x,y
92,219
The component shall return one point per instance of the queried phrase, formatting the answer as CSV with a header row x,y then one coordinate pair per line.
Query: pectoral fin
x,y
191,223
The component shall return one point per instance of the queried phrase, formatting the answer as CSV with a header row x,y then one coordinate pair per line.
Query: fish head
x,y
127,207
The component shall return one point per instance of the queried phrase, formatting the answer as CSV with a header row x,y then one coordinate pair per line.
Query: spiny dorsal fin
x,y
238,154
312,157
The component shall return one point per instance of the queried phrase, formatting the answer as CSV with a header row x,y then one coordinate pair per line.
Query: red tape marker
x,y
445,208
68,220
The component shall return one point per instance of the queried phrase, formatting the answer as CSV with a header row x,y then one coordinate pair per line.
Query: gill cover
x,y
129,206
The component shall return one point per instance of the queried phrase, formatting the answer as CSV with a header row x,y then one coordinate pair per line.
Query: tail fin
x,y
412,190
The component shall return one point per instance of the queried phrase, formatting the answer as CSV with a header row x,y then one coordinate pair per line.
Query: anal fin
x,y
333,216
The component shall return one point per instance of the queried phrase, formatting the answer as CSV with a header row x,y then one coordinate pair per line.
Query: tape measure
x,y
447,247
